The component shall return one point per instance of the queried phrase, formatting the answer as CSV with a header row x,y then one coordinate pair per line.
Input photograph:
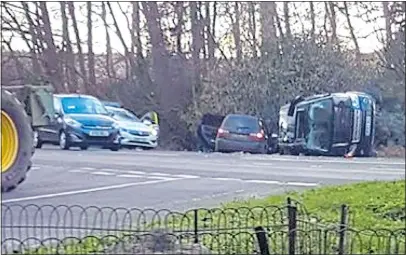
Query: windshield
x,y
123,115
82,105
320,125
241,124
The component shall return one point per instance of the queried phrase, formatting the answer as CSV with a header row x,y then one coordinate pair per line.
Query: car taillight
x,y
258,136
221,133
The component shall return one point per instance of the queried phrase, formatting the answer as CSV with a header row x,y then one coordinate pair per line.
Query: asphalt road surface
x,y
177,180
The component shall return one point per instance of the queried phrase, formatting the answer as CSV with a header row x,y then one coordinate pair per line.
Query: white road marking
x,y
101,173
306,184
130,176
88,168
77,171
263,181
185,176
225,179
160,174
83,191
35,168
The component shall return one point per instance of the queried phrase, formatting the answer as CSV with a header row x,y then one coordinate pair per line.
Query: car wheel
x,y
37,142
84,147
115,147
63,141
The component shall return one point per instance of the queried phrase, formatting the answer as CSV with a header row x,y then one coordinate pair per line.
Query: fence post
x,y
195,226
292,225
262,238
342,228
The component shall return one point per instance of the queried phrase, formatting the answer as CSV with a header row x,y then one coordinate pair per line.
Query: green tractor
x,y
28,107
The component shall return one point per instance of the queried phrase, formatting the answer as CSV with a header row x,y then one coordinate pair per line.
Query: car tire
x,y
84,147
64,142
115,147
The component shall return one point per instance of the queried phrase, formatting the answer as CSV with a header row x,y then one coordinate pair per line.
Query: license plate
x,y
98,133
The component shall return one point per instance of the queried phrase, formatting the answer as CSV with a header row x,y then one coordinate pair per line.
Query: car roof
x,y
74,95
241,116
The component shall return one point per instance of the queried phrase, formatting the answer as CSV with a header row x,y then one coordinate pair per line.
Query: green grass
x,y
372,205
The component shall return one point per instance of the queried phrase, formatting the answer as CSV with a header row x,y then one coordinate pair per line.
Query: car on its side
x,y
81,121
244,133
134,132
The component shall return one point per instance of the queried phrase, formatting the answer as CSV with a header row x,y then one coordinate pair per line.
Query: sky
x,y
362,29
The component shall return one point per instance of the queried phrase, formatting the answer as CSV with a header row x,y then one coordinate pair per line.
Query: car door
x,y
51,132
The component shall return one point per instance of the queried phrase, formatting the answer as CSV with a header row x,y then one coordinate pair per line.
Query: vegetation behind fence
x,y
275,229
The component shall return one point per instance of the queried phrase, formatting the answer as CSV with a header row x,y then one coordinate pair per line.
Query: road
x,y
180,180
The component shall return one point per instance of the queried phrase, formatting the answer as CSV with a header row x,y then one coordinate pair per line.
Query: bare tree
x,y
136,30
388,22
268,14
109,53
51,60
71,76
351,28
286,16
90,54
313,22
72,14
252,24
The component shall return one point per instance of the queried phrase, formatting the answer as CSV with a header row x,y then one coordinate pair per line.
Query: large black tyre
x,y
17,171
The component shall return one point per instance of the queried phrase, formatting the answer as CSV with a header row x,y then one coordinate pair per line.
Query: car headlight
x,y
154,132
72,122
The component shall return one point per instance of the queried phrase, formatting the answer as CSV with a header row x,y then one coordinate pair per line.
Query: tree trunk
x,y
268,28
212,34
351,28
71,9
52,64
313,22
34,40
252,24
137,29
160,56
70,57
196,43
109,53
388,23
236,32
120,36
90,54
333,23
287,21
179,24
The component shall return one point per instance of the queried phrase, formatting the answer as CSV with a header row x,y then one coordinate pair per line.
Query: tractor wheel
x,y
16,142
